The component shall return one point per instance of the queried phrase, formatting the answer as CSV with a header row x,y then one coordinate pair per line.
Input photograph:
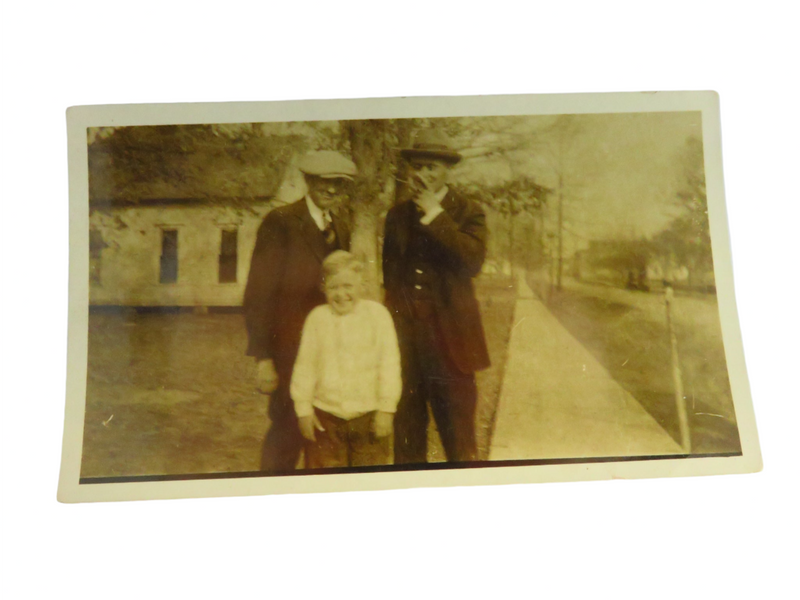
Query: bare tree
x,y
687,239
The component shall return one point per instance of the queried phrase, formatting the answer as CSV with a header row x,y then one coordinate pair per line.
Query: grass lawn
x,y
170,394
627,332
174,393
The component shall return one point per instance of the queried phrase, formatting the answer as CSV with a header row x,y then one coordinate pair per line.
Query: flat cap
x,y
327,164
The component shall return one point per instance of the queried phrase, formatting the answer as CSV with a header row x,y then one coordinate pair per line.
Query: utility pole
x,y
560,231
551,266
511,234
541,258
677,377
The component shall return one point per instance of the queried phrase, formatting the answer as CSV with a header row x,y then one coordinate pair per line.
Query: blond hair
x,y
340,260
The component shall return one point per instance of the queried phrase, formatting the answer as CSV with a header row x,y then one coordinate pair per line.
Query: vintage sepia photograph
x,y
487,288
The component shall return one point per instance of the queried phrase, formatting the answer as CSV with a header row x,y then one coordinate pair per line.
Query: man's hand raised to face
x,y
427,200
427,181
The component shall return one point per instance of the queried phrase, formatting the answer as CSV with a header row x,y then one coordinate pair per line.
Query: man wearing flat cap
x,y
434,244
284,285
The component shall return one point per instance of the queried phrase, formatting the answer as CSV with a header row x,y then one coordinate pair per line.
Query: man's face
x,y
427,174
327,193
342,290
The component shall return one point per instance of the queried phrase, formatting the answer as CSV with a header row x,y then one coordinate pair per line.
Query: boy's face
x,y
342,289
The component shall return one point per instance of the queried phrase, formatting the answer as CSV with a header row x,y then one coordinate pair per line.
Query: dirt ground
x,y
627,332
173,393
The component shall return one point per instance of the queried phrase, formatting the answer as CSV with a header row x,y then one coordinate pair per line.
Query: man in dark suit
x,y
434,244
284,285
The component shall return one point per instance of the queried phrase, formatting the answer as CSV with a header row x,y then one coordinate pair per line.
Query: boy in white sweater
x,y
346,381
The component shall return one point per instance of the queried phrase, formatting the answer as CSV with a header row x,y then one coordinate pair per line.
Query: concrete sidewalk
x,y
557,401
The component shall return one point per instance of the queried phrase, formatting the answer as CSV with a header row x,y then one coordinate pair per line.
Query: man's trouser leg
x,y
430,377
283,442
411,418
453,399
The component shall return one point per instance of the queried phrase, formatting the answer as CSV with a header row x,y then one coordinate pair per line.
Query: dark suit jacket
x,y
458,248
284,283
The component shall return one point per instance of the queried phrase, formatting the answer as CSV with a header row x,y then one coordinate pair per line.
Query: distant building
x,y
636,264
174,211
617,262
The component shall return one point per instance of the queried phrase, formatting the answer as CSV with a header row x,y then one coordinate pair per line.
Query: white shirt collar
x,y
317,213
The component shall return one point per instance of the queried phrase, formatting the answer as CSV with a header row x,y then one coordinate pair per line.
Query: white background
x,y
727,536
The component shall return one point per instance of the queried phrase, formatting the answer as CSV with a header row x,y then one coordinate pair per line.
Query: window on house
x,y
228,256
96,245
169,256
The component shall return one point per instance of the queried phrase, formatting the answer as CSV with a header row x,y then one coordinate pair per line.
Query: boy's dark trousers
x,y
347,443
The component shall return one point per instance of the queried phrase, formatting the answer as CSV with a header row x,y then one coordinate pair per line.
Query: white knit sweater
x,y
347,365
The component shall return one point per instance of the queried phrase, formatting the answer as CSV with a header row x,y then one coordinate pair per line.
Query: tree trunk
x,y
511,237
403,129
364,244
372,195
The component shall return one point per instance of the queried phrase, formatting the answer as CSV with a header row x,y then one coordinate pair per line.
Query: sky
x,y
620,171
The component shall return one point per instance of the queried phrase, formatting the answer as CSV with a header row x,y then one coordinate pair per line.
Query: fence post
x,y
680,399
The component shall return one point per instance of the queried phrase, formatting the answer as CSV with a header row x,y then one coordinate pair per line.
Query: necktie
x,y
329,233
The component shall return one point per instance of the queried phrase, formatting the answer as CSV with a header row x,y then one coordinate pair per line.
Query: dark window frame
x,y
168,260
96,246
228,260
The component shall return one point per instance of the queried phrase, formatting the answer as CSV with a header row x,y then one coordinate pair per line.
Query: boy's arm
x,y
390,384
382,425
306,367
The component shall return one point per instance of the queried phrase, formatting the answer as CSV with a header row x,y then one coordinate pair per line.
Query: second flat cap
x,y
327,164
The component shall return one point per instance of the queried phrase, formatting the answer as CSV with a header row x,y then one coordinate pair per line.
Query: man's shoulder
x,y
401,207
283,211
460,203
283,216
